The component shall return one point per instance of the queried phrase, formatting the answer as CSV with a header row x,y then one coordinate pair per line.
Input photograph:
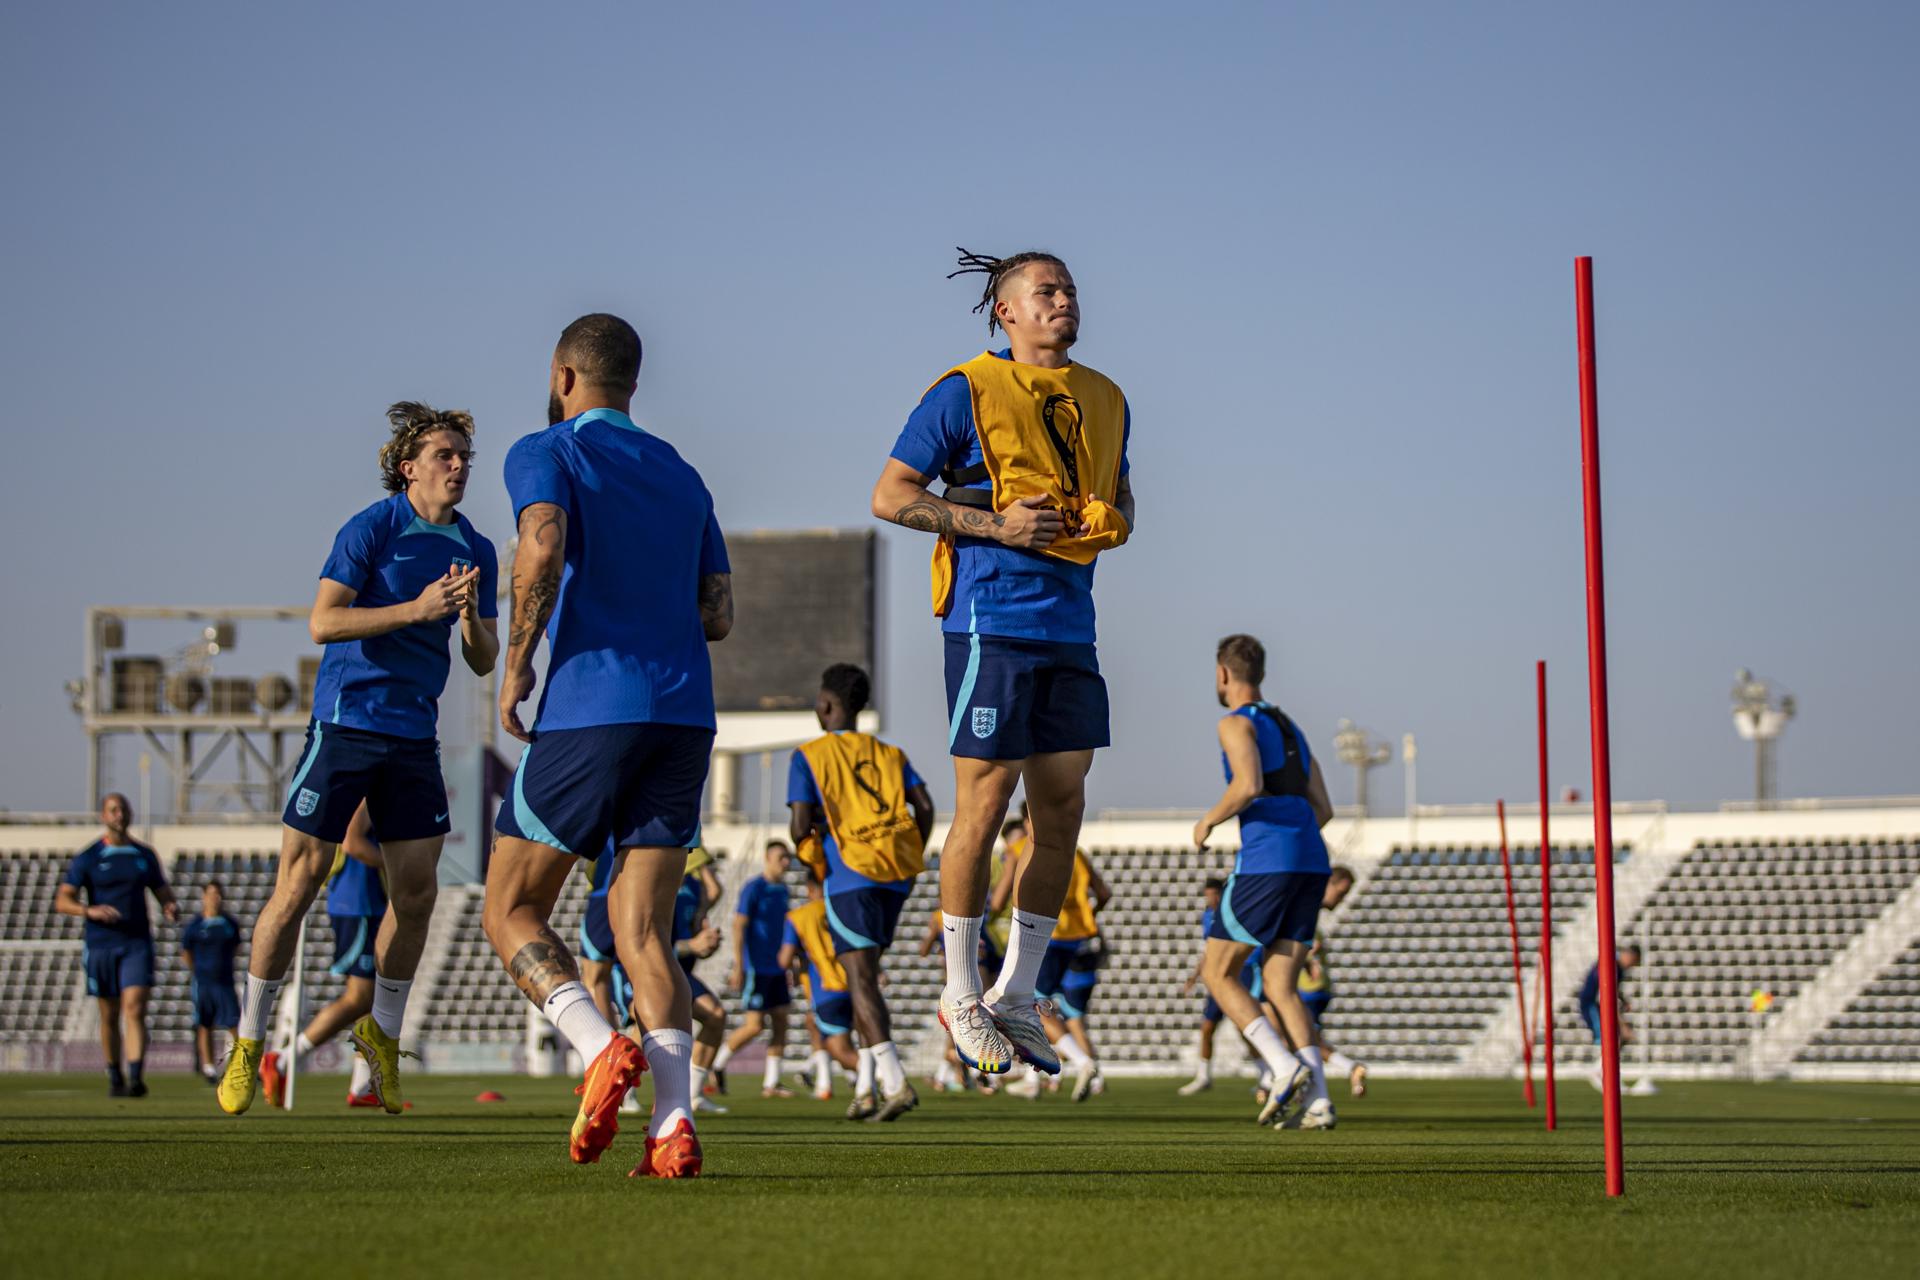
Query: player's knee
x,y
413,901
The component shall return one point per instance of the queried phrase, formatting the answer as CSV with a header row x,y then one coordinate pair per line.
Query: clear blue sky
x,y
1326,250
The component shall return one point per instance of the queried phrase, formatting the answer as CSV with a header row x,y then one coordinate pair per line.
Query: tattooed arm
x,y
901,496
716,605
537,564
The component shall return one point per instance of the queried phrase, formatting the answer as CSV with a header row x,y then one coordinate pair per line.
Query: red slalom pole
x,y
1513,930
1546,903
1597,708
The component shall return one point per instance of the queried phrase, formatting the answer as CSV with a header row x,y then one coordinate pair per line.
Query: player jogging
x,y
356,907
1032,449
1279,876
757,976
622,566
870,813
1210,1015
1625,960
1316,988
399,574
116,872
807,945
1070,972
208,944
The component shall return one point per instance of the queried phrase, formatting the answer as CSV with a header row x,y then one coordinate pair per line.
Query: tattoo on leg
x,y
542,966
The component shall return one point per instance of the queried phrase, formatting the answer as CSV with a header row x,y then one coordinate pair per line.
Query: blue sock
x,y
113,1073
135,1068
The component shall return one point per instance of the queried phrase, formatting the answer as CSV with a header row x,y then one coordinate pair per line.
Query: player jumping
x,y
622,565
400,573
1032,449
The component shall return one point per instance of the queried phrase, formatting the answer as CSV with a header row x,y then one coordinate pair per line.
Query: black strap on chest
x,y
964,487
1290,779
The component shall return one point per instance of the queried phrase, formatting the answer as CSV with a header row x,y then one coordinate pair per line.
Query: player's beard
x,y
555,413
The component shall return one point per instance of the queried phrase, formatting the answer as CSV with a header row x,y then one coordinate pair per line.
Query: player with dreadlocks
x,y
1031,448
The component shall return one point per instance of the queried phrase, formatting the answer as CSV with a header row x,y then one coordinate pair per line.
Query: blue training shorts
x,y
596,931
215,1004
1316,1002
1008,699
638,785
833,1012
1590,1014
766,991
1068,973
399,778
863,919
111,970
1268,907
353,946
1251,978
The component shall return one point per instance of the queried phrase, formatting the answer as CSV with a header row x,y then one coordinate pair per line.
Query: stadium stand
x,y
1881,1024
40,957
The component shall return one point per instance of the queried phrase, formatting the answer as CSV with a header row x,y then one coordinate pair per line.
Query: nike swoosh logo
x,y
404,557
1026,926
441,817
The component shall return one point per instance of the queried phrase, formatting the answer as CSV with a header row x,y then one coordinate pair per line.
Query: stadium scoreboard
x,y
802,602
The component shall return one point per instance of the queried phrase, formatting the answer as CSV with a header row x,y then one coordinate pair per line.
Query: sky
x,y
1326,250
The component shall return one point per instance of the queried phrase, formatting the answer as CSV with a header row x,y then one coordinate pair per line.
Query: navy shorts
x,y
1268,907
1250,977
1068,973
399,778
1008,699
1316,1002
833,1012
112,969
766,991
1590,1014
862,919
596,931
637,785
215,1004
695,987
353,946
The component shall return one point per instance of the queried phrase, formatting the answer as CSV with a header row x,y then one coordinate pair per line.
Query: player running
x,y
870,813
1316,988
1069,972
1280,874
208,944
622,565
356,907
1032,449
401,572
1625,960
757,976
1210,1015
693,941
807,945
117,872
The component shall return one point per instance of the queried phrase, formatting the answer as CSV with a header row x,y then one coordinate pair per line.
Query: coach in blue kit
x,y
116,872
208,945
622,567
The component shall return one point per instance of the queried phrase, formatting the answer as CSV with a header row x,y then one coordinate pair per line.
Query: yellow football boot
x,y
243,1071
383,1054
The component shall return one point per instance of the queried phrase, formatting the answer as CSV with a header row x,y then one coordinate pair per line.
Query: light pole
x,y
1760,715
1355,746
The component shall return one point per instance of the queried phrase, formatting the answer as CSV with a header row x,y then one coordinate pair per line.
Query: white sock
x,y
770,1074
723,1057
863,1079
1026,948
944,1075
362,1076
571,1009
1311,1056
1340,1063
697,1081
300,1048
1205,1070
256,1007
961,937
822,1073
887,1068
390,1003
1070,1051
1272,1049
669,1059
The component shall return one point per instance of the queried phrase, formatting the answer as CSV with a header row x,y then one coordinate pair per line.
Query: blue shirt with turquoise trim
x,y
764,903
1207,916
212,942
1277,833
356,890
387,555
117,876
997,591
802,789
627,642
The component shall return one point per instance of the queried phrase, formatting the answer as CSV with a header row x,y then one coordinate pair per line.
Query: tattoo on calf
x,y
542,966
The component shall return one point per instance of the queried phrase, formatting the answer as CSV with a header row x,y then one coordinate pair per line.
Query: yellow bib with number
x,y
810,922
863,788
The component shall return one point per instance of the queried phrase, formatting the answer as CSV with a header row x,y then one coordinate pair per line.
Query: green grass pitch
x,y
1421,1178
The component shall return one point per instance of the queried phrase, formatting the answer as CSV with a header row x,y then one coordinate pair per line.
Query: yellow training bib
x,y
810,922
863,788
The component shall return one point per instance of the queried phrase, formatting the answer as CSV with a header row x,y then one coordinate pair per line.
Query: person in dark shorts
x,y
208,943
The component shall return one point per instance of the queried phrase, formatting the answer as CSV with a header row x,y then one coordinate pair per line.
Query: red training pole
x,y
1597,708
1546,904
1513,929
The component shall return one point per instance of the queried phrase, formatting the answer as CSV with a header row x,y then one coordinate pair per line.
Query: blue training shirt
x,y
388,554
997,591
1277,833
1207,916
802,789
117,876
764,903
356,890
628,645
212,941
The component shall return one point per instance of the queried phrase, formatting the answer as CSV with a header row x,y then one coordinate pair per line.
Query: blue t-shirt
x,y
997,591
1277,833
1207,916
212,941
117,876
764,903
687,901
356,890
628,645
801,789
388,554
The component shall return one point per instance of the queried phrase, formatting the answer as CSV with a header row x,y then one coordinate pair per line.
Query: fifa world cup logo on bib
x,y
984,721
1061,414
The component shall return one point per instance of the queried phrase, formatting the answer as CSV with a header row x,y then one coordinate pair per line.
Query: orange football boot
x,y
675,1156
273,1081
616,1069
367,1099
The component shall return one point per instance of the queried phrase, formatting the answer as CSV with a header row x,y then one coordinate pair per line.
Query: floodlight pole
x,y
1597,708
1545,987
1513,931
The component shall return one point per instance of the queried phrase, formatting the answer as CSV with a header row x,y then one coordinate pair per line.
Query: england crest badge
x,y
985,719
308,801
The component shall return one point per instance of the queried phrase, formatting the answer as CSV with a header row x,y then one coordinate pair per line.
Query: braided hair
x,y
996,270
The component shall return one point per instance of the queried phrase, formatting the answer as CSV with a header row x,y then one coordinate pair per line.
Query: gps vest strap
x,y
1290,779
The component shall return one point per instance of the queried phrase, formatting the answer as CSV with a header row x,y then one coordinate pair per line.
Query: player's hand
x,y
1186,988
103,914
516,686
172,912
733,983
1031,523
705,942
446,595
1201,830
